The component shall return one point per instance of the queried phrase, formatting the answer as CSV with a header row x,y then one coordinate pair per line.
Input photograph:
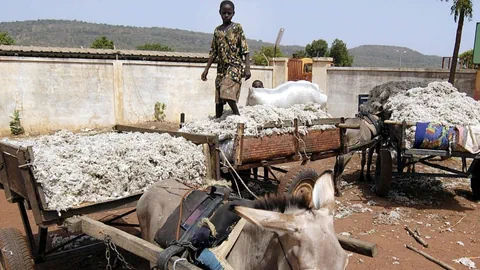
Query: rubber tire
x,y
294,177
475,185
383,173
14,251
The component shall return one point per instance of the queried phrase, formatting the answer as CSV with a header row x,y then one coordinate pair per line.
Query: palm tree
x,y
460,9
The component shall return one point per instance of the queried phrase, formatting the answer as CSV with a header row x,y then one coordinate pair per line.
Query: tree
x,y
340,54
299,54
102,43
318,48
6,39
466,58
154,47
265,51
460,9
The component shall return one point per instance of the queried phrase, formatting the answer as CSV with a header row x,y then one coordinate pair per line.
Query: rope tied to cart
x,y
241,180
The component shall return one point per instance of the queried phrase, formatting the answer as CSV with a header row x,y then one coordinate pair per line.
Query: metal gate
x,y
296,70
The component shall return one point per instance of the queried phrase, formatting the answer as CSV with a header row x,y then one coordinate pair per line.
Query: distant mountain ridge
x,y
387,56
74,34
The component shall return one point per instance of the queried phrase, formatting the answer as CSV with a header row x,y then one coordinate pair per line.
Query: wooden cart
x,y
268,152
394,140
20,186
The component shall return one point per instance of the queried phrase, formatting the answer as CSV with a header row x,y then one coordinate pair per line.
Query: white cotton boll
x,y
77,168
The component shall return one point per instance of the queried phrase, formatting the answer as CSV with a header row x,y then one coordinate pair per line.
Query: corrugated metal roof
x,y
58,52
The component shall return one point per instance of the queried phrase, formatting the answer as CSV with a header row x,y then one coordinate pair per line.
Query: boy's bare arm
x,y
248,74
209,64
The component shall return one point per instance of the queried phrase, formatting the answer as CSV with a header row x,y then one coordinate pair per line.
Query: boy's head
x,y
227,10
257,84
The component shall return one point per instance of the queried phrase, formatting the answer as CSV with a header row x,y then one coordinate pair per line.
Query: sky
x,y
422,25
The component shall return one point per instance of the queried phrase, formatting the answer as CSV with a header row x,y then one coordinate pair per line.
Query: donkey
x,y
370,127
281,232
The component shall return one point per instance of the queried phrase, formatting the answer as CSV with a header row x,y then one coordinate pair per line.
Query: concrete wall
x,y
345,84
72,94
53,94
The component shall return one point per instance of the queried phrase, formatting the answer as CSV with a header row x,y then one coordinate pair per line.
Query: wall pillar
x,y
319,72
118,92
280,70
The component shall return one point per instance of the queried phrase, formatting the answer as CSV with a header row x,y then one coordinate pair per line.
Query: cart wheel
x,y
383,173
299,182
14,251
475,180
475,184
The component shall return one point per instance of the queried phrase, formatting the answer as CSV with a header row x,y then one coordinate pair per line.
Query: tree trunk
x,y
458,39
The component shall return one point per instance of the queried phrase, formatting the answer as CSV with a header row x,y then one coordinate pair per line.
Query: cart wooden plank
x,y
257,149
195,138
131,243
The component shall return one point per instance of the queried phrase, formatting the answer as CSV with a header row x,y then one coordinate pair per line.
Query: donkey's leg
x,y
369,162
340,165
337,172
362,166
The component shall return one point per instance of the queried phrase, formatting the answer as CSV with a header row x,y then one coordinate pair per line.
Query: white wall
x,y
72,94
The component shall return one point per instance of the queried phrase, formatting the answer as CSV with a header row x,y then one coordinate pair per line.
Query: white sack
x,y
287,94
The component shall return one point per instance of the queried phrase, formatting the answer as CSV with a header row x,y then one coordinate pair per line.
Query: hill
x,y
65,33
387,56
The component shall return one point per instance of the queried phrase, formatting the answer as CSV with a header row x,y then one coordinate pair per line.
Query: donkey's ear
x,y
323,192
273,221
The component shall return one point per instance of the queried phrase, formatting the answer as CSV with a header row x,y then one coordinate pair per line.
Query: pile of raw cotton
x,y
81,168
439,102
380,94
256,118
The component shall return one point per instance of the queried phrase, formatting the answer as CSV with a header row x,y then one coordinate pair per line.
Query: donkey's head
x,y
305,230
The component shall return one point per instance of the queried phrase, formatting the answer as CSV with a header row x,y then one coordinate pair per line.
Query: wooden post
x,y
129,242
182,120
358,246
239,144
297,136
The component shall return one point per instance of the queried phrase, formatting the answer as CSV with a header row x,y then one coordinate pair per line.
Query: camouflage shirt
x,y
229,46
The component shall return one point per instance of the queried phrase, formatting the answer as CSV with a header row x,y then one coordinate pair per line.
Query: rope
x,y
283,250
241,180
236,184
178,260
304,145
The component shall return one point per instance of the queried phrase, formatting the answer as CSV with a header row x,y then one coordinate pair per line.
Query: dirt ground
x,y
430,206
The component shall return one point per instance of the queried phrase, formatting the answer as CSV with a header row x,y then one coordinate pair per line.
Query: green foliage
x,y
340,54
461,6
466,59
15,125
265,51
318,48
299,54
102,43
6,39
160,111
154,47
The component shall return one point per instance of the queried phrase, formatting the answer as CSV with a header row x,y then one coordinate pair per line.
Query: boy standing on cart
x,y
229,46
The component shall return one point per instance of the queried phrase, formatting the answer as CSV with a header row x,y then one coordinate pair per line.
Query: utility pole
x,y
277,42
401,56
